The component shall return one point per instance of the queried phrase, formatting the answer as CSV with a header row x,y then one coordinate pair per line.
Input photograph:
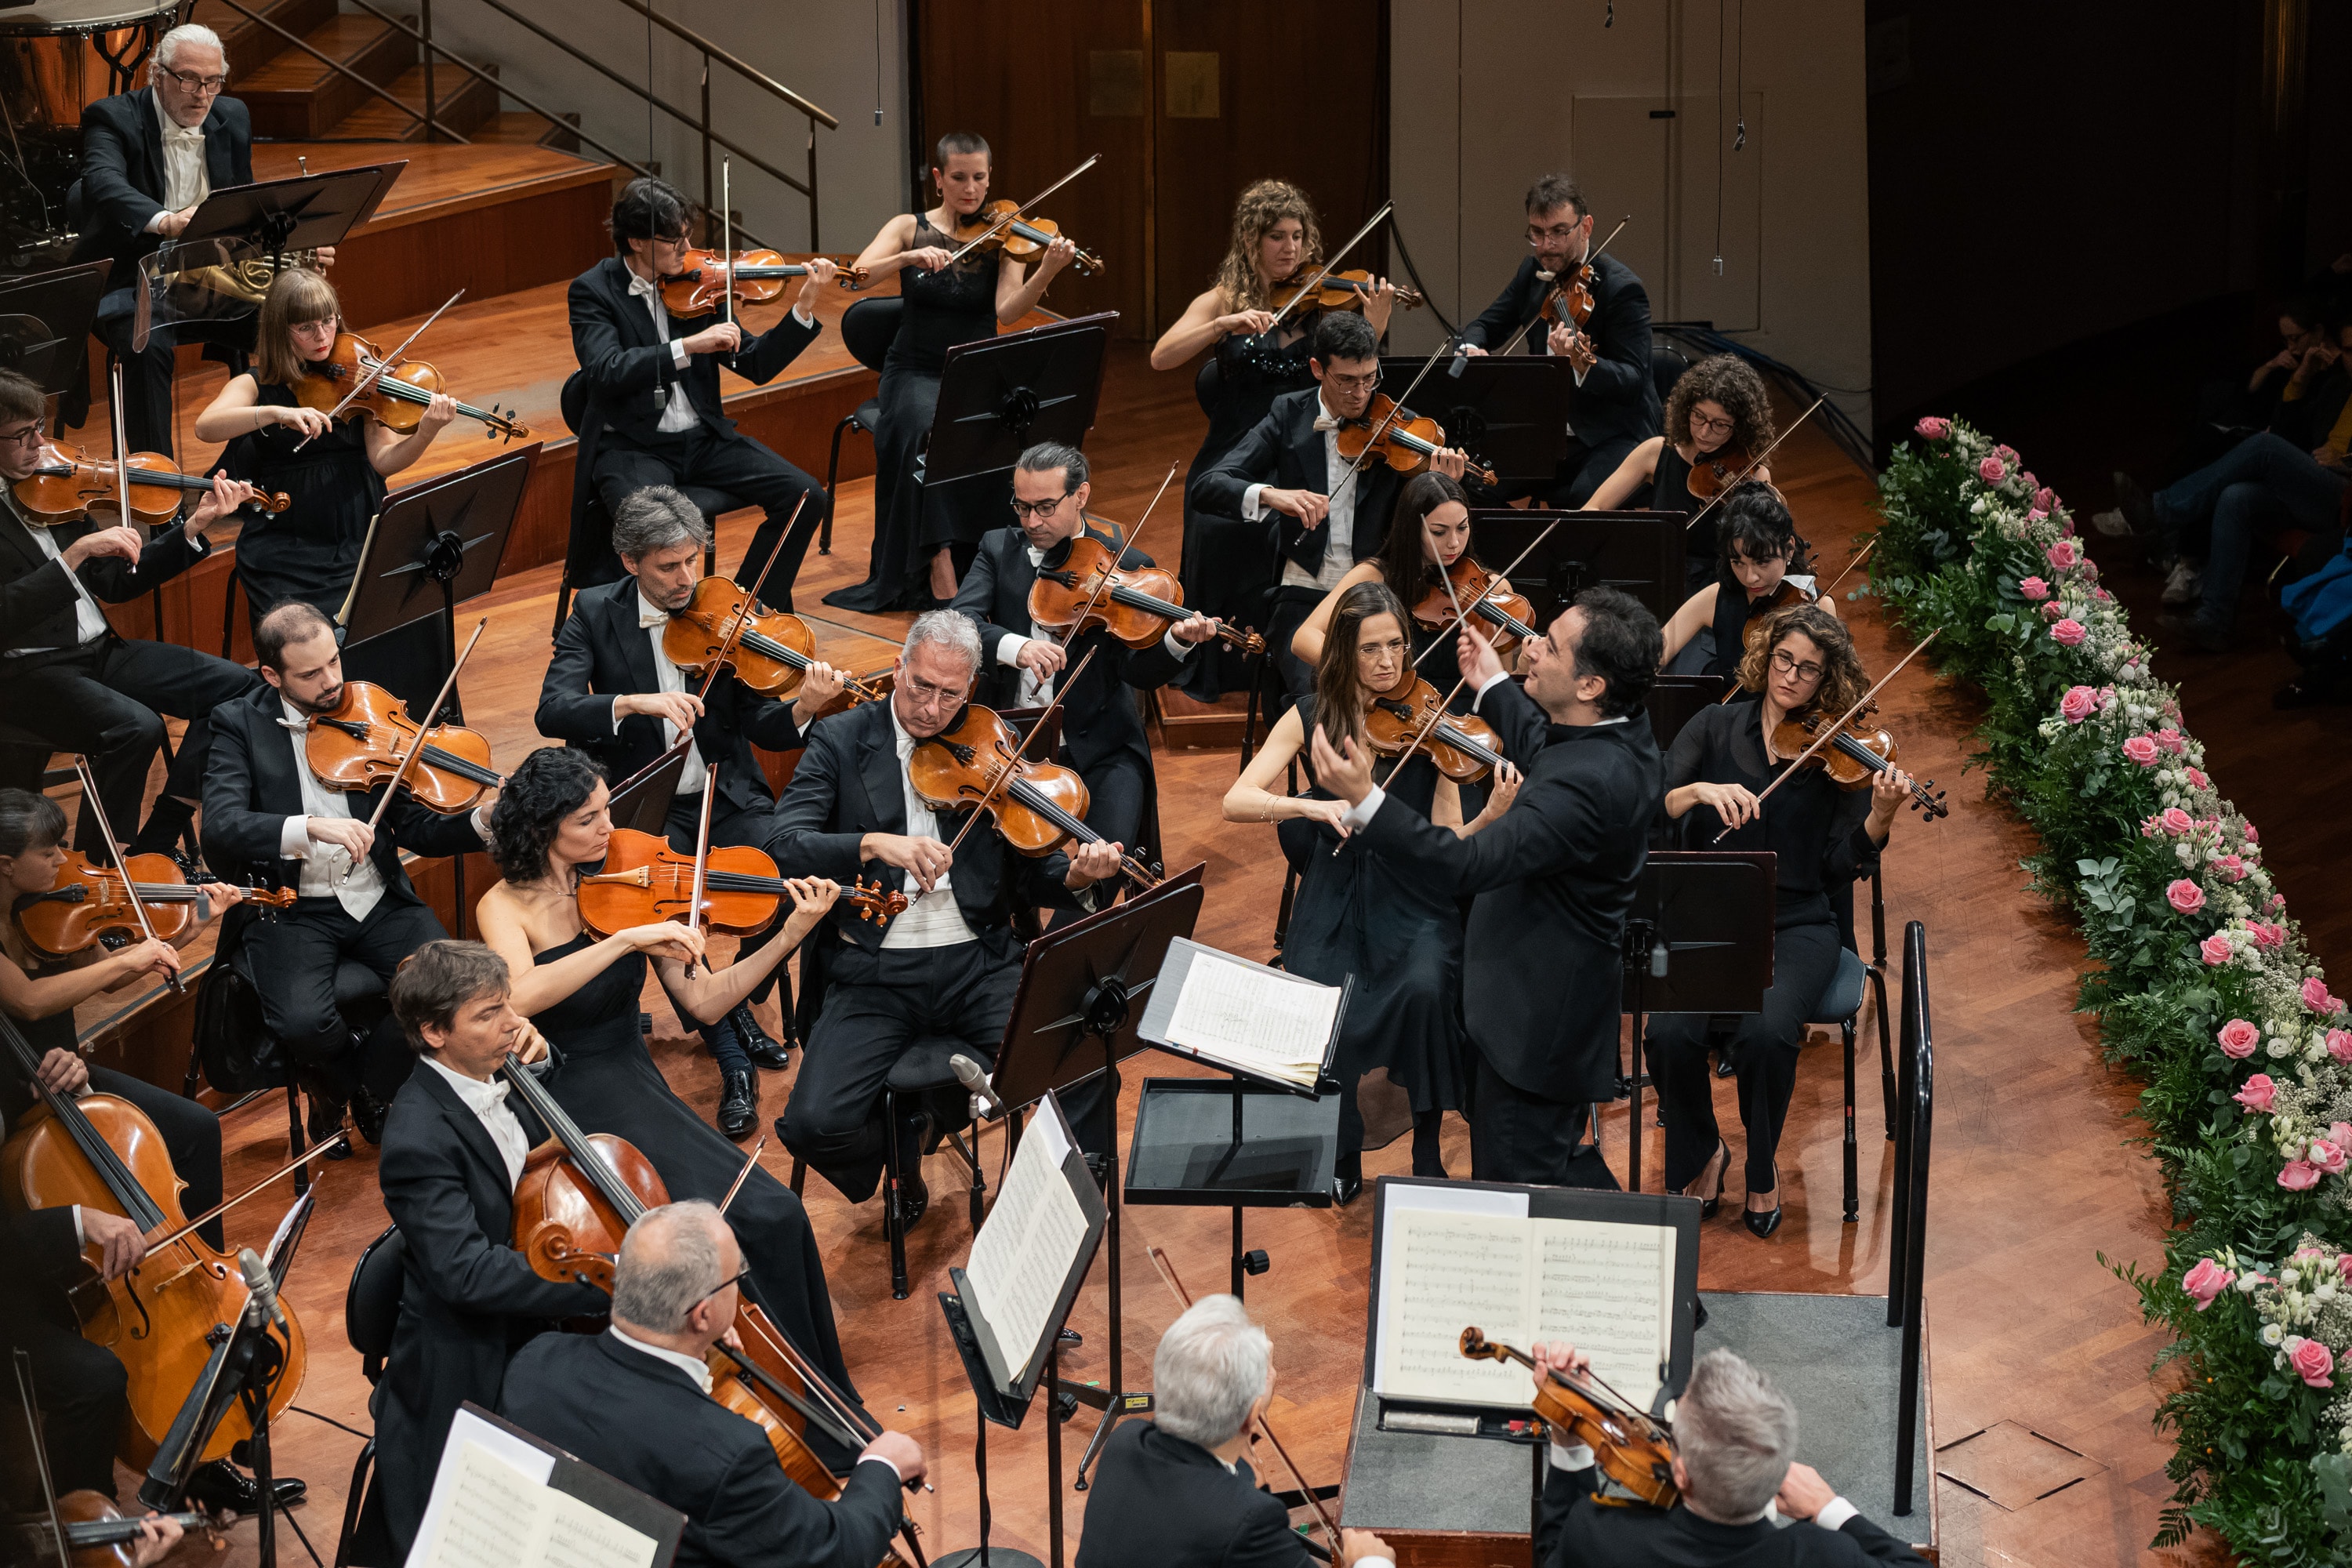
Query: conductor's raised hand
x,y
1346,770
1476,656
928,858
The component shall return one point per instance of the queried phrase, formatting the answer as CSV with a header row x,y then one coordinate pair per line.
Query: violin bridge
x,y
643,877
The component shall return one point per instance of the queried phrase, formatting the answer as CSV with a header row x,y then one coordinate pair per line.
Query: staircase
x,y
296,97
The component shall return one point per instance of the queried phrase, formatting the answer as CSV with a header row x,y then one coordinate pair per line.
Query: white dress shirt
x,y
324,865
1339,549
679,415
933,919
1037,689
186,180
669,678
488,1101
89,621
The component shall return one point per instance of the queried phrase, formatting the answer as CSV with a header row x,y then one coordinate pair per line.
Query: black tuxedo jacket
x,y
848,784
1098,716
1573,1532
251,788
646,1424
468,1296
1619,396
1285,450
1162,1501
122,172
1555,879
603,652
37,597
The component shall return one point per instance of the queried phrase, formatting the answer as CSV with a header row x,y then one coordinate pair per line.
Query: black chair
x,y
371,1312
260,1062
1668,364
867,330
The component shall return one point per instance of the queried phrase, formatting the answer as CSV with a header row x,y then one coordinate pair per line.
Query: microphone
x,y
1461,358
263,1289
984,1101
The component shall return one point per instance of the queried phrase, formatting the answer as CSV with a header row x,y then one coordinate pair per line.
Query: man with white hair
x,y
636,1402
1736,1437
1178,1490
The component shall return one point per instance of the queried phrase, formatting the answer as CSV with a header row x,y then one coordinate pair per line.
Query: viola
x,y
1631,1448
770,650
90,904
698,288
1137,604
101,1535
1038,806
359,744
645,881
69,483
1475,590
1727,465
104,1153
1022,237
1336,291
1400,439
1854,759
1465,748
398,396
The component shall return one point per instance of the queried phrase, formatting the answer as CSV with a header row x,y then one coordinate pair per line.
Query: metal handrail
x,y
751,74
342,69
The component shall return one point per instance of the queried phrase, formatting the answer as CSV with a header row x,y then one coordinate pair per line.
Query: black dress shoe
x,y
1761,1224
762,1048
325,1121
2134,503
914,1198
739,1102
1344,1189
367,1116
914,1193
1071,1339
1714,1200
220,1488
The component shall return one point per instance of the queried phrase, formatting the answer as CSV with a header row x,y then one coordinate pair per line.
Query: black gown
x,y
1670,491
954,305
310,550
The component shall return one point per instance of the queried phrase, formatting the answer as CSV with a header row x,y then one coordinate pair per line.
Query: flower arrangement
x,y
2199,978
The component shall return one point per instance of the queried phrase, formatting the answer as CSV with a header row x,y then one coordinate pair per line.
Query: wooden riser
x,y
249,44
462,102
296,97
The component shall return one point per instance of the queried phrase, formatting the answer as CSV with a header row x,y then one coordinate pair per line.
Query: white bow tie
x,y
493,1093
1327,422
302,728
648,619
644,287
178,135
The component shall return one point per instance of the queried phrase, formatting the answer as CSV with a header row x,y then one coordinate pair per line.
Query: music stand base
x,y
991,1557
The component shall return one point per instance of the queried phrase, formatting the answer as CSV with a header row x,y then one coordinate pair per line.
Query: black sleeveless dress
x,y
606,1080
310,550
1670,491
954,305
1733,612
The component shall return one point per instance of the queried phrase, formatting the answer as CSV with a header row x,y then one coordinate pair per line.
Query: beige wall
x,y
1476,114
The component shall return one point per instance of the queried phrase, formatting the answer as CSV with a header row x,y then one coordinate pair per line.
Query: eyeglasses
x,y
30,436
1393,647
1785,663
1537,236
1025,510
1712,426
699,1300
924,692
195,83
1350,383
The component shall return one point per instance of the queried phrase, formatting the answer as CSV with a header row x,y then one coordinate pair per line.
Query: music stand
x,y
641,802
999,396
1640,552
44,321
1697,939
1507,411
1676,699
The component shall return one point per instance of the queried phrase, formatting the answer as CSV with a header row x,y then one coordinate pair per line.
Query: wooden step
x,y
516,127
296,97
250,44
462,101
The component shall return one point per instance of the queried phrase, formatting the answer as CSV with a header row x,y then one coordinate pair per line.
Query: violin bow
x,y
1819,596
114,848
1009,219
1830,733
1428,728
1461,616
122,489
727,291
316,1151
1757,462
1521,335
1396,412
743,619
749,1162
408,758
701,856
1315,282
368,378
1125,543
980,806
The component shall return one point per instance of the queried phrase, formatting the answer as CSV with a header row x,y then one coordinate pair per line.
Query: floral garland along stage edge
x,y
2199,980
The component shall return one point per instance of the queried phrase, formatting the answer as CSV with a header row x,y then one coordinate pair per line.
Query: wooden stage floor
x,y
2039,1358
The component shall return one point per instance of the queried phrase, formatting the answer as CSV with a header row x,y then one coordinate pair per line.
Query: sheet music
x,y
469,1431
1449,1272
1025,1247
495,1512
1608,1290
1253,1018
579,1536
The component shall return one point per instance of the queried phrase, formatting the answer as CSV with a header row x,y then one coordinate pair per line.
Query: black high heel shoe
x,y
1708,1205
1761,1225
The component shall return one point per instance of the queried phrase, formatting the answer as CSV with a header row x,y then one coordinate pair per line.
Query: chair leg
x,y
1885,1050
351,1501
800,1173
832,472
296,1142
971,1154
1852,1172
893,1219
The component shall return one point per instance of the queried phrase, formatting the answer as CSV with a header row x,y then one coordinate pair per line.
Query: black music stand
x,y
641,802
999,396
1507,411
1640,552
1697,939
1676,699
44,321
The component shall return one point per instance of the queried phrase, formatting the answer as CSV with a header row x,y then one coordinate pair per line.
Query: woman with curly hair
x,y
1825,838
1229,566
1718,404
552,823
1760,553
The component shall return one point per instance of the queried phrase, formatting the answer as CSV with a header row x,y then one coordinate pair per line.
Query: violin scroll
x,y
873,902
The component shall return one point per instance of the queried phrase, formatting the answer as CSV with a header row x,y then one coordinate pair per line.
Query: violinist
x,y
454,1147
1615,404
612,690
1717,417
1761,571
917,536
268,819
1102,733
1736,1467
636,1402
949,962
1359,913
1429,533
1824,836
653,414
1286,475
67,676
334,471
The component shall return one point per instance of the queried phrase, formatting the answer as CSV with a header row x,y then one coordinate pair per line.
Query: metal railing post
x,y
424,20
814,244
705,128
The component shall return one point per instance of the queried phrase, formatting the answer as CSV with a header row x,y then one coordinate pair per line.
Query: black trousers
x,y
1115,788
738,465
732,825
1517,1136
147,377
84,1393
1585,465
1291,608
293,960
106,699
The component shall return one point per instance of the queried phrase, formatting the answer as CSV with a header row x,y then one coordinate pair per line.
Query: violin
x,y
1337,291
698,288
1854,761
89,905
398,396
1569,302
1631,1448
359,744
103,1152
771,650
1465,748
1137,604
1400,439
1039,805
1715,470
1474,587
69,483
101,1535
645,881
1022,238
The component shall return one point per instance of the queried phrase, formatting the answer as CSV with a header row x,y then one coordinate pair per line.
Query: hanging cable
x,y
1739,80
651,163
877,60
1719,138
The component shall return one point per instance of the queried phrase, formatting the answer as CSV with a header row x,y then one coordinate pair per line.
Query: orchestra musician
x,y
332,470
1288,469
1614,405
917,537
947,964
614,693
1429,533
1554,878
1183,1488
67,676
1735,1464
1228,569
454,1147
1102,732
1717,411
1824,837
269,820
654,414
636,1402
1757,573
582,991
1359,913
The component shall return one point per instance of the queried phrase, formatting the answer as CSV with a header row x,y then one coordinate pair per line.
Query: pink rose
x,y
2230,866
2069,632
2339,1046
2054,611
2253,836
2278,900
2328,1155
2266,935
1991,472
2299,1176
2046,499
2079,703
2196,777
2007,454
2206,1281
2316,997
2063,555
2185,896
2238,1039
2258,1094
2102,597
2067,528
2175,820
1935,430
2312,1362
2214,949
2033,588
2140,749
2170,740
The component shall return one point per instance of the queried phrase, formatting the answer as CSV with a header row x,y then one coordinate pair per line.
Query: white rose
x,y
2323,1291
2288,1279
2278,1049
2271,1334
